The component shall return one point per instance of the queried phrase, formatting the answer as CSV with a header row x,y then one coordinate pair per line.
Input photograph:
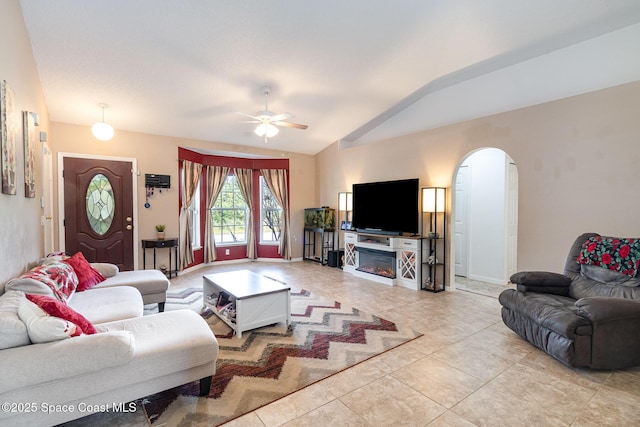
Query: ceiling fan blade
x,y
251,121
249,115
280,117
291,125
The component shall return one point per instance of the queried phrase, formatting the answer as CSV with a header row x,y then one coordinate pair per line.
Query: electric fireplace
x,y
380,263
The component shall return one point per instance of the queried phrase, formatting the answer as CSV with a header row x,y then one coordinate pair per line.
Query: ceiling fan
x,y
268,120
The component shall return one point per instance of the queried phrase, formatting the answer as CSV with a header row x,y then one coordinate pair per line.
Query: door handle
x,y
129,227
129,219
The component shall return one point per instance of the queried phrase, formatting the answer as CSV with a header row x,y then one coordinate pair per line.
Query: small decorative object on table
x,y
160,229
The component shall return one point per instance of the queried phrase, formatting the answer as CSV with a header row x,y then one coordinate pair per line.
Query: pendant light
x,y
102,130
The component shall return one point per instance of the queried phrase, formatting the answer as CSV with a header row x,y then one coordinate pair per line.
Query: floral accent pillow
x,y
57,276
613,253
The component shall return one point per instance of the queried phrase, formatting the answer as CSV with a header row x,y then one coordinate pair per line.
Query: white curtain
x,y
244,178
215,180
191,173
276,180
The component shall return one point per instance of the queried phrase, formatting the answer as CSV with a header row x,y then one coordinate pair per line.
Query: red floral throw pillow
x,y
88,276
613,253
55,308
57,275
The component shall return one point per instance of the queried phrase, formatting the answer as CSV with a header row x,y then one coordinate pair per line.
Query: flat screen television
x,y
386,207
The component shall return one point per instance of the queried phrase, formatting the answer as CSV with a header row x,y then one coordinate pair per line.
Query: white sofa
x,y
130,356
152,284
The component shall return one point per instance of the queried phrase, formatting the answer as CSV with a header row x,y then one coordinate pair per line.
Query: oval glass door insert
x,y
100,204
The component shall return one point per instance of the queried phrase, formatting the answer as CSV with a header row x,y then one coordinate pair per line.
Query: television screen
x,y
389,206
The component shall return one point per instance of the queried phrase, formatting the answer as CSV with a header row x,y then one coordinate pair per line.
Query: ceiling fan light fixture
x,y
267,130
102,130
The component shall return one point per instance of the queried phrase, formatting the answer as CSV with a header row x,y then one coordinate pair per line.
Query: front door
x,y
98,210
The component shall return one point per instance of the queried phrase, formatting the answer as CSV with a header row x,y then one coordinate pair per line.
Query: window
x,y
194,210
270,215
229,214
100,204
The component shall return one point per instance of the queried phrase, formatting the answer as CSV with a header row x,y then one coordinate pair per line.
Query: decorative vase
x,y
160,235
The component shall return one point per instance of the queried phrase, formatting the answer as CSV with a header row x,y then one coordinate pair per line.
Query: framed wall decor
x,y
29,136
9,123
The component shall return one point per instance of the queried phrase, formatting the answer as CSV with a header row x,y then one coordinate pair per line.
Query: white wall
x,y
486,208
21,241
577,164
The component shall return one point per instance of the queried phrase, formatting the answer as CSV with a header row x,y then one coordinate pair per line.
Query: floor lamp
x,y
345,204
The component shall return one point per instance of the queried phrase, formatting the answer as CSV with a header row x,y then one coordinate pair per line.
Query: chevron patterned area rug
x,y
266,364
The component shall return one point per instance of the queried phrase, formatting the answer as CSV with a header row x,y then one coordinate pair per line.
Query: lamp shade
x,y
266,129
103,131
345,202
433,199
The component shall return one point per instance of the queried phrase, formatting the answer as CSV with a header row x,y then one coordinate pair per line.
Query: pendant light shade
x,y
102,130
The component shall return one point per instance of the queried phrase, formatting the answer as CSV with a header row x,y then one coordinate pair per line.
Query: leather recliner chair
x,y
583,318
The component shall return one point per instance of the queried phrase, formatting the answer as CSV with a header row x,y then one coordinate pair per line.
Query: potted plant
x,y
160,229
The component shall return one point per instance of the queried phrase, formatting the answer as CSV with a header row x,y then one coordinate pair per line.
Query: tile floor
x,y
468,369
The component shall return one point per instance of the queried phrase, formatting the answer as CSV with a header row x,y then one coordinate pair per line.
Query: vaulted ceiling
x,y
354,71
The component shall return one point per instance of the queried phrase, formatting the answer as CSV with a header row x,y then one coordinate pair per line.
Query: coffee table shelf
x,y
259,301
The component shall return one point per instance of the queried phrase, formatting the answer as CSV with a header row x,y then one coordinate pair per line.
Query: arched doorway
x,y
484,222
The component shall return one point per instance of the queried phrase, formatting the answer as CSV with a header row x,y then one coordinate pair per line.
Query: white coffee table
x,y
259,301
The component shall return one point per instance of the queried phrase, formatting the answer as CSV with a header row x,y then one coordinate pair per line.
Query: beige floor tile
x,y
249,420
522,396
438,381
389,402
588,378
332,414
295,404
467,357
450,419
624,381
508,347
427,344
610,407
398,357
358,376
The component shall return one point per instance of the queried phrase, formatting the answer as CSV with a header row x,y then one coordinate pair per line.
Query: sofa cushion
x,y
13,331
146,281
604,275
553,312
54,278
186,341
99,305
106,269
88,276
42,327
613,253
55,308
38,364
582,287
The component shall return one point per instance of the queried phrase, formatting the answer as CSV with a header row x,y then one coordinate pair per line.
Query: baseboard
x,y
491,280
236,261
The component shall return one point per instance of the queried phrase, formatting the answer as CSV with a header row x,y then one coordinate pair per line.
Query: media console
x,y
392,260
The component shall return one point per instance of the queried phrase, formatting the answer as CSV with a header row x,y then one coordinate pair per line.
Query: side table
x,y
157,243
